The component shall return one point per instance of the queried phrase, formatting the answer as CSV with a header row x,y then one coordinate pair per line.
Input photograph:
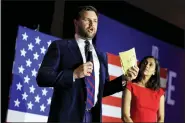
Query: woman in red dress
x,y
143,97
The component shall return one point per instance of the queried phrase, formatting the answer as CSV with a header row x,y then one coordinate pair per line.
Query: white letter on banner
x,y
155,51
171,88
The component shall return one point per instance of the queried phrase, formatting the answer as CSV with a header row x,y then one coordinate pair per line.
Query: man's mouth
x,y
90,30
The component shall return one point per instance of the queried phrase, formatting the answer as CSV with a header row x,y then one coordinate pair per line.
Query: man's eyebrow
x,y
90,18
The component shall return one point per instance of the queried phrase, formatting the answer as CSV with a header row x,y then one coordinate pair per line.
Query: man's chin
x,y
90,36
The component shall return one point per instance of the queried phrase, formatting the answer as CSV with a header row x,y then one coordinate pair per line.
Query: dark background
x,y
30,14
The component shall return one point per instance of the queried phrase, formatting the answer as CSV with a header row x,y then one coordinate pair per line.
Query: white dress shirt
x,y
96,65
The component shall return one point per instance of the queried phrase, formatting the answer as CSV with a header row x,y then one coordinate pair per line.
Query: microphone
x,y
89,56
90,48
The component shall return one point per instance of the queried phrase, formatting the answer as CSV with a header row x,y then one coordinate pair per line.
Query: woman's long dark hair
x,y
154,81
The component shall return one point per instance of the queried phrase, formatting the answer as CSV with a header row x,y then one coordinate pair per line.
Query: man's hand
x,y
132,73
83,70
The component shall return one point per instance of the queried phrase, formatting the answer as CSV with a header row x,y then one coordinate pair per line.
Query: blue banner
x,y
114,37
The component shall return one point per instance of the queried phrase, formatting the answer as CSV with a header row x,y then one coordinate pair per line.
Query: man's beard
x,y
84,34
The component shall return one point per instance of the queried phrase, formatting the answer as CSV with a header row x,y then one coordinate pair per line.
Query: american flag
x,y
30,103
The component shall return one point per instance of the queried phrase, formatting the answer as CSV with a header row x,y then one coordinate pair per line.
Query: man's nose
x,y
90,23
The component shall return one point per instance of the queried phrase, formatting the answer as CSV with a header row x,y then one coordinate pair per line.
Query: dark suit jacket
x,y
68,101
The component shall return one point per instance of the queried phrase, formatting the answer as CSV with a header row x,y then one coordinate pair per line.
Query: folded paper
x,y
128,59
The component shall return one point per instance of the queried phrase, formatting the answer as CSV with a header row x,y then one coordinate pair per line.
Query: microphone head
x,y
89,56
90,48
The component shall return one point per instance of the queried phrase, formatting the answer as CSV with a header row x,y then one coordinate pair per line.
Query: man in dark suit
x,y
67,66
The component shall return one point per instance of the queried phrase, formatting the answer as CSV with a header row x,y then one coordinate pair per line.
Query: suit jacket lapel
x,y
102,66
78,60
73,47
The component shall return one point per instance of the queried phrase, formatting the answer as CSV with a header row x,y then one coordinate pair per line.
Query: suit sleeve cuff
x,y
73,79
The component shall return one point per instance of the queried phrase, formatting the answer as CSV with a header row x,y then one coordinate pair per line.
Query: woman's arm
x,y
161,109
126,106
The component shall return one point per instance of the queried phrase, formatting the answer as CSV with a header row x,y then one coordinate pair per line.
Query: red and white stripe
x,y
112,104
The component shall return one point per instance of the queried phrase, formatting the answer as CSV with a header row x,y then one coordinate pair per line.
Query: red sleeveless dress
x,y
144,103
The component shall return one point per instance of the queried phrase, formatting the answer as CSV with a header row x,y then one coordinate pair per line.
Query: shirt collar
x,y
80,40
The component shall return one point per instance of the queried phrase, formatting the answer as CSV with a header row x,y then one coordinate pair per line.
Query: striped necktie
x,y
89,80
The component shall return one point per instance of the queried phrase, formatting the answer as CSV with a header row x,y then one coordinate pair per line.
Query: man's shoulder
x,y
102,55
62,42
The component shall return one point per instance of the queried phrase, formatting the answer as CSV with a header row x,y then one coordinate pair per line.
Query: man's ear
x,y
75,22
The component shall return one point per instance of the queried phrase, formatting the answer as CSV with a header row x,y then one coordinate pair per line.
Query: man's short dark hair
x,y
82,9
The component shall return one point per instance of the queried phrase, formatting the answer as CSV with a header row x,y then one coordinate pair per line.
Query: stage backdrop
x,y
114,37
30,103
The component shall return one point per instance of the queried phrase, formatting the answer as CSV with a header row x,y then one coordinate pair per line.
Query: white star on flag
x,y
23,52
44,92
19,86
30,105
16,103
24,96
49,42
34,72
24,36
30,47
42,107
43,50
39,65
37,40
28,63
37,98
21,69
35,55
49,101
26,79
32,89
